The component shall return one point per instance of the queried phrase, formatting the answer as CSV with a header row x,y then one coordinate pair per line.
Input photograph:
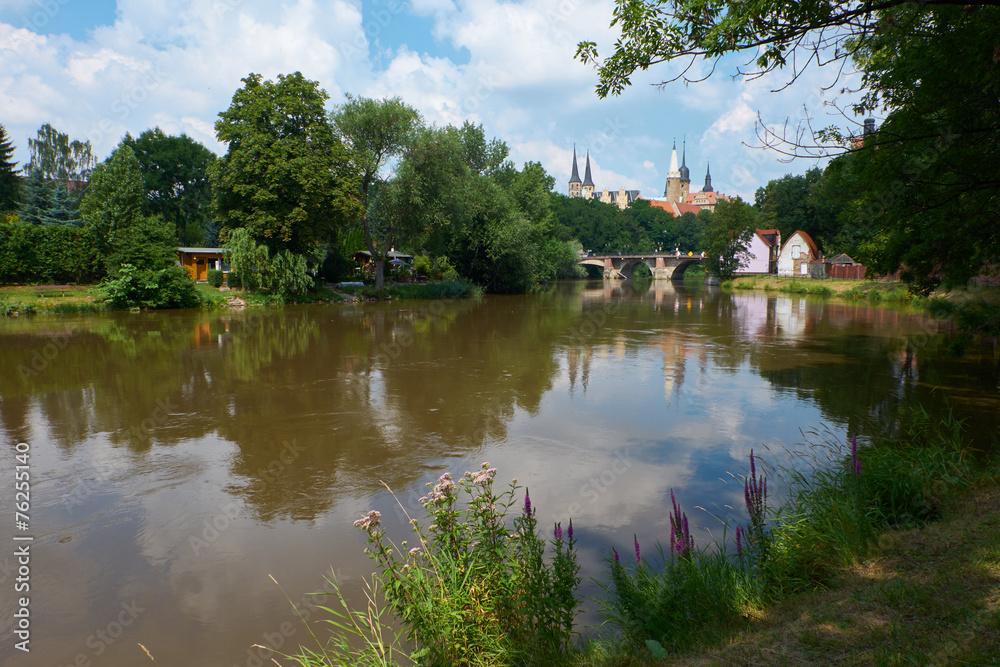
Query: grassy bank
x,y
28,300
886,552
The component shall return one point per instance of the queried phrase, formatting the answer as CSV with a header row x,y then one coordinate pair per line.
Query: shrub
x,y
474,592
143,288
234,281
216,277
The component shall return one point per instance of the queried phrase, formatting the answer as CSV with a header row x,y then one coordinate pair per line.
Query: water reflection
x,y
182,457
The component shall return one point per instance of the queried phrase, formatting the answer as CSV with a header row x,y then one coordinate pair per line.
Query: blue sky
x,y
99,69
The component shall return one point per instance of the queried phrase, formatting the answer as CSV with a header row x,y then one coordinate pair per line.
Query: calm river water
x,y
179,459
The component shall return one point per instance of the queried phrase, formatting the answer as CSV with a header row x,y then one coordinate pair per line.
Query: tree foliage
x,y
285,177
47,203
47,254
9,180
112,214
56,157
175,178
260,270
377,131
727,237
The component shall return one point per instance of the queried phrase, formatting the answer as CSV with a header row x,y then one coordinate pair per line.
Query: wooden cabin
x,y
198,261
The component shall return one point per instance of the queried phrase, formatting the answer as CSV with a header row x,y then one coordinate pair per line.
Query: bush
x,y
474,591
216,277
234,281
143,288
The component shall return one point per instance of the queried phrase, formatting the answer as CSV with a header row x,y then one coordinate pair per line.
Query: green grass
x,y
876,292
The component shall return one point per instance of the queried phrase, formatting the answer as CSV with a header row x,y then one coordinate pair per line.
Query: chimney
x,y
869,126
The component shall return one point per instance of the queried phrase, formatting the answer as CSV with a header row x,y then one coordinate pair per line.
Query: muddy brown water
x,y
179,460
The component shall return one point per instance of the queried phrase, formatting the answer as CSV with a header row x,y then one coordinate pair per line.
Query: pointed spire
x,y
575,177
685,172
673,163
708,179
587,180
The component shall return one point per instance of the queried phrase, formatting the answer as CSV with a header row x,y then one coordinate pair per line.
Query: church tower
x,y
672,190
574,179
588,182
708,179
685,174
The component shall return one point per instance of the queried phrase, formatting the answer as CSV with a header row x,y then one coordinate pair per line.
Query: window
x,y
796,251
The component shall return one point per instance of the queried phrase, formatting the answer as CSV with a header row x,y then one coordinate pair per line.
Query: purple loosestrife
x,y
739,541
569,532
855,466
638,558
558,532
618,559
755,494
680,535
527,504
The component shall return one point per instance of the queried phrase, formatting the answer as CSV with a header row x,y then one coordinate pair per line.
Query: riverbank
x,y
928,596
34,299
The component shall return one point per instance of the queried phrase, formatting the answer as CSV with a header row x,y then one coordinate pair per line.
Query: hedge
x,y
47,254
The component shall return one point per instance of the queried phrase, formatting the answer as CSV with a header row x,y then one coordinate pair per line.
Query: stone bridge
x,y
663,266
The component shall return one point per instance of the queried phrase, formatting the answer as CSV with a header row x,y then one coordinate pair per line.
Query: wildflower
x,y
484,477
527,504
414,551
739,542
638,558
854,456
617,557
558,531
570,531
369,522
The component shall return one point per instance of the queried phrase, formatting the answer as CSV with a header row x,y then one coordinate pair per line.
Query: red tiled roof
x,y
675,209
813,250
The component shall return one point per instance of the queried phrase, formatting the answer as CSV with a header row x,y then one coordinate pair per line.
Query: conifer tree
x,y
9,180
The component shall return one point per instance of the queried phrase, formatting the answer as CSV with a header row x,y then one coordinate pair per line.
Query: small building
x,y
763,251
198,261
796,254
844,268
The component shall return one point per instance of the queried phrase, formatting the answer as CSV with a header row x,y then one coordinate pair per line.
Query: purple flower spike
x,y
527,504
569,532
739,541
618,559
638,558
753,468
558,532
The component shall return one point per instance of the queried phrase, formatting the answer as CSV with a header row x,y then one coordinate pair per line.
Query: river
x,y
179,460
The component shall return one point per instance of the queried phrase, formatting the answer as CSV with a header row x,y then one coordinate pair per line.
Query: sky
x,y
96,69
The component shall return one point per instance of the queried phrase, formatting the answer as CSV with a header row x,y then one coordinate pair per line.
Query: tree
x,y
726,239
175,177
9,180
112,213
285,177
55,157
283,273
49,203
798,202
377,131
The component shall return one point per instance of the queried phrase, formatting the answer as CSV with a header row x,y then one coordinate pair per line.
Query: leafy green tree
x,y
377,131
9,180
112,213
798,202
285,177
175,177
726,239
56,157
472,206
